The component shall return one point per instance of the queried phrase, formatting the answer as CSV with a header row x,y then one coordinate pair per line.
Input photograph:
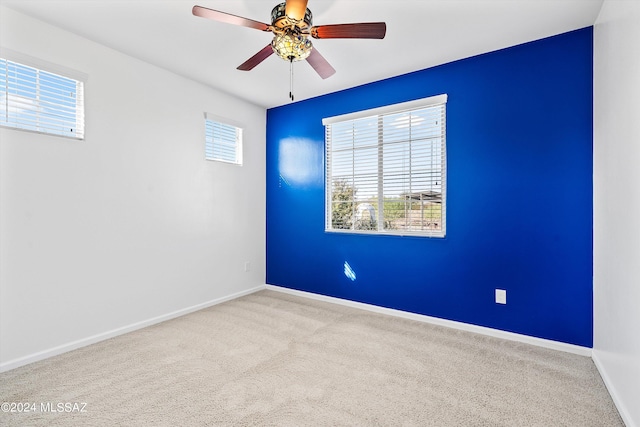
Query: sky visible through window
x,y
40,101
392,162
411,156
222,142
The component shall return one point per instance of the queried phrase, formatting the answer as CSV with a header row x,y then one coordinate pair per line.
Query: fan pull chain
x,y
291,78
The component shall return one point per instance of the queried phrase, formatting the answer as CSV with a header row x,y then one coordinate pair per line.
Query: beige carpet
x,y
274,359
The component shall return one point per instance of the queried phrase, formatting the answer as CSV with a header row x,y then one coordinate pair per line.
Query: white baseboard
x,y
45,354
15,363
622,409
540,342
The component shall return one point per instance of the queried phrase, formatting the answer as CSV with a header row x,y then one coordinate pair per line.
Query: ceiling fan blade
x,y
296,9
322,67
250,63
228,18
365,30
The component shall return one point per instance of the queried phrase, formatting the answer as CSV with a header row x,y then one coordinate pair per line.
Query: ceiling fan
x,y
292,24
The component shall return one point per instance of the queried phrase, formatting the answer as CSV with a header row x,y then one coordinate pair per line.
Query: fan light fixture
x,y
291,47
289,43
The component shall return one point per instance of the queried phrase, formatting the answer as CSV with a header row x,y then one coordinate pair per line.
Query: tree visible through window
x,y
386,169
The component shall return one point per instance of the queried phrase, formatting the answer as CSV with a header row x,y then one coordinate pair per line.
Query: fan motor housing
x,y
280,20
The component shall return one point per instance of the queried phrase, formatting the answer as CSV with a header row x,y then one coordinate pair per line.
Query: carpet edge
x,y
496,333
83,342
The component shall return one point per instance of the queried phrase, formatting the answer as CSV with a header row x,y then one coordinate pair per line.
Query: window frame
x,y
379,114
79,133
239,135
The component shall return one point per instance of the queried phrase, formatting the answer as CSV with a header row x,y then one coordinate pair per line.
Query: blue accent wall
x,y
519,196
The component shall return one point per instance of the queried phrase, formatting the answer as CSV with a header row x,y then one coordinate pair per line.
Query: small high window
x,y
223,141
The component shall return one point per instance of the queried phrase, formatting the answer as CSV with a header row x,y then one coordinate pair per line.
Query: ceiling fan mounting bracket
x,y
281,21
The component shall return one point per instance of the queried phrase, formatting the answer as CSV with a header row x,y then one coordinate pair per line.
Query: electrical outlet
x,y
247,266
501,296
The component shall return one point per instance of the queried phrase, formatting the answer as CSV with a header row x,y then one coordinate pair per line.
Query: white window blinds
x,y
386,169
36,100
223,142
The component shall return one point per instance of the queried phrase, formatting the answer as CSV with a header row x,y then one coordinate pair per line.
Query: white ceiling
x,y
420,34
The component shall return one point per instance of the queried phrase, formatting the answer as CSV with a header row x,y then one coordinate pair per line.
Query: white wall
x,y
131,224
617,203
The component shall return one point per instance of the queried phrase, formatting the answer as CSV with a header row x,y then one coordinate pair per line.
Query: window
x,y
386,170
40,101
223,142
